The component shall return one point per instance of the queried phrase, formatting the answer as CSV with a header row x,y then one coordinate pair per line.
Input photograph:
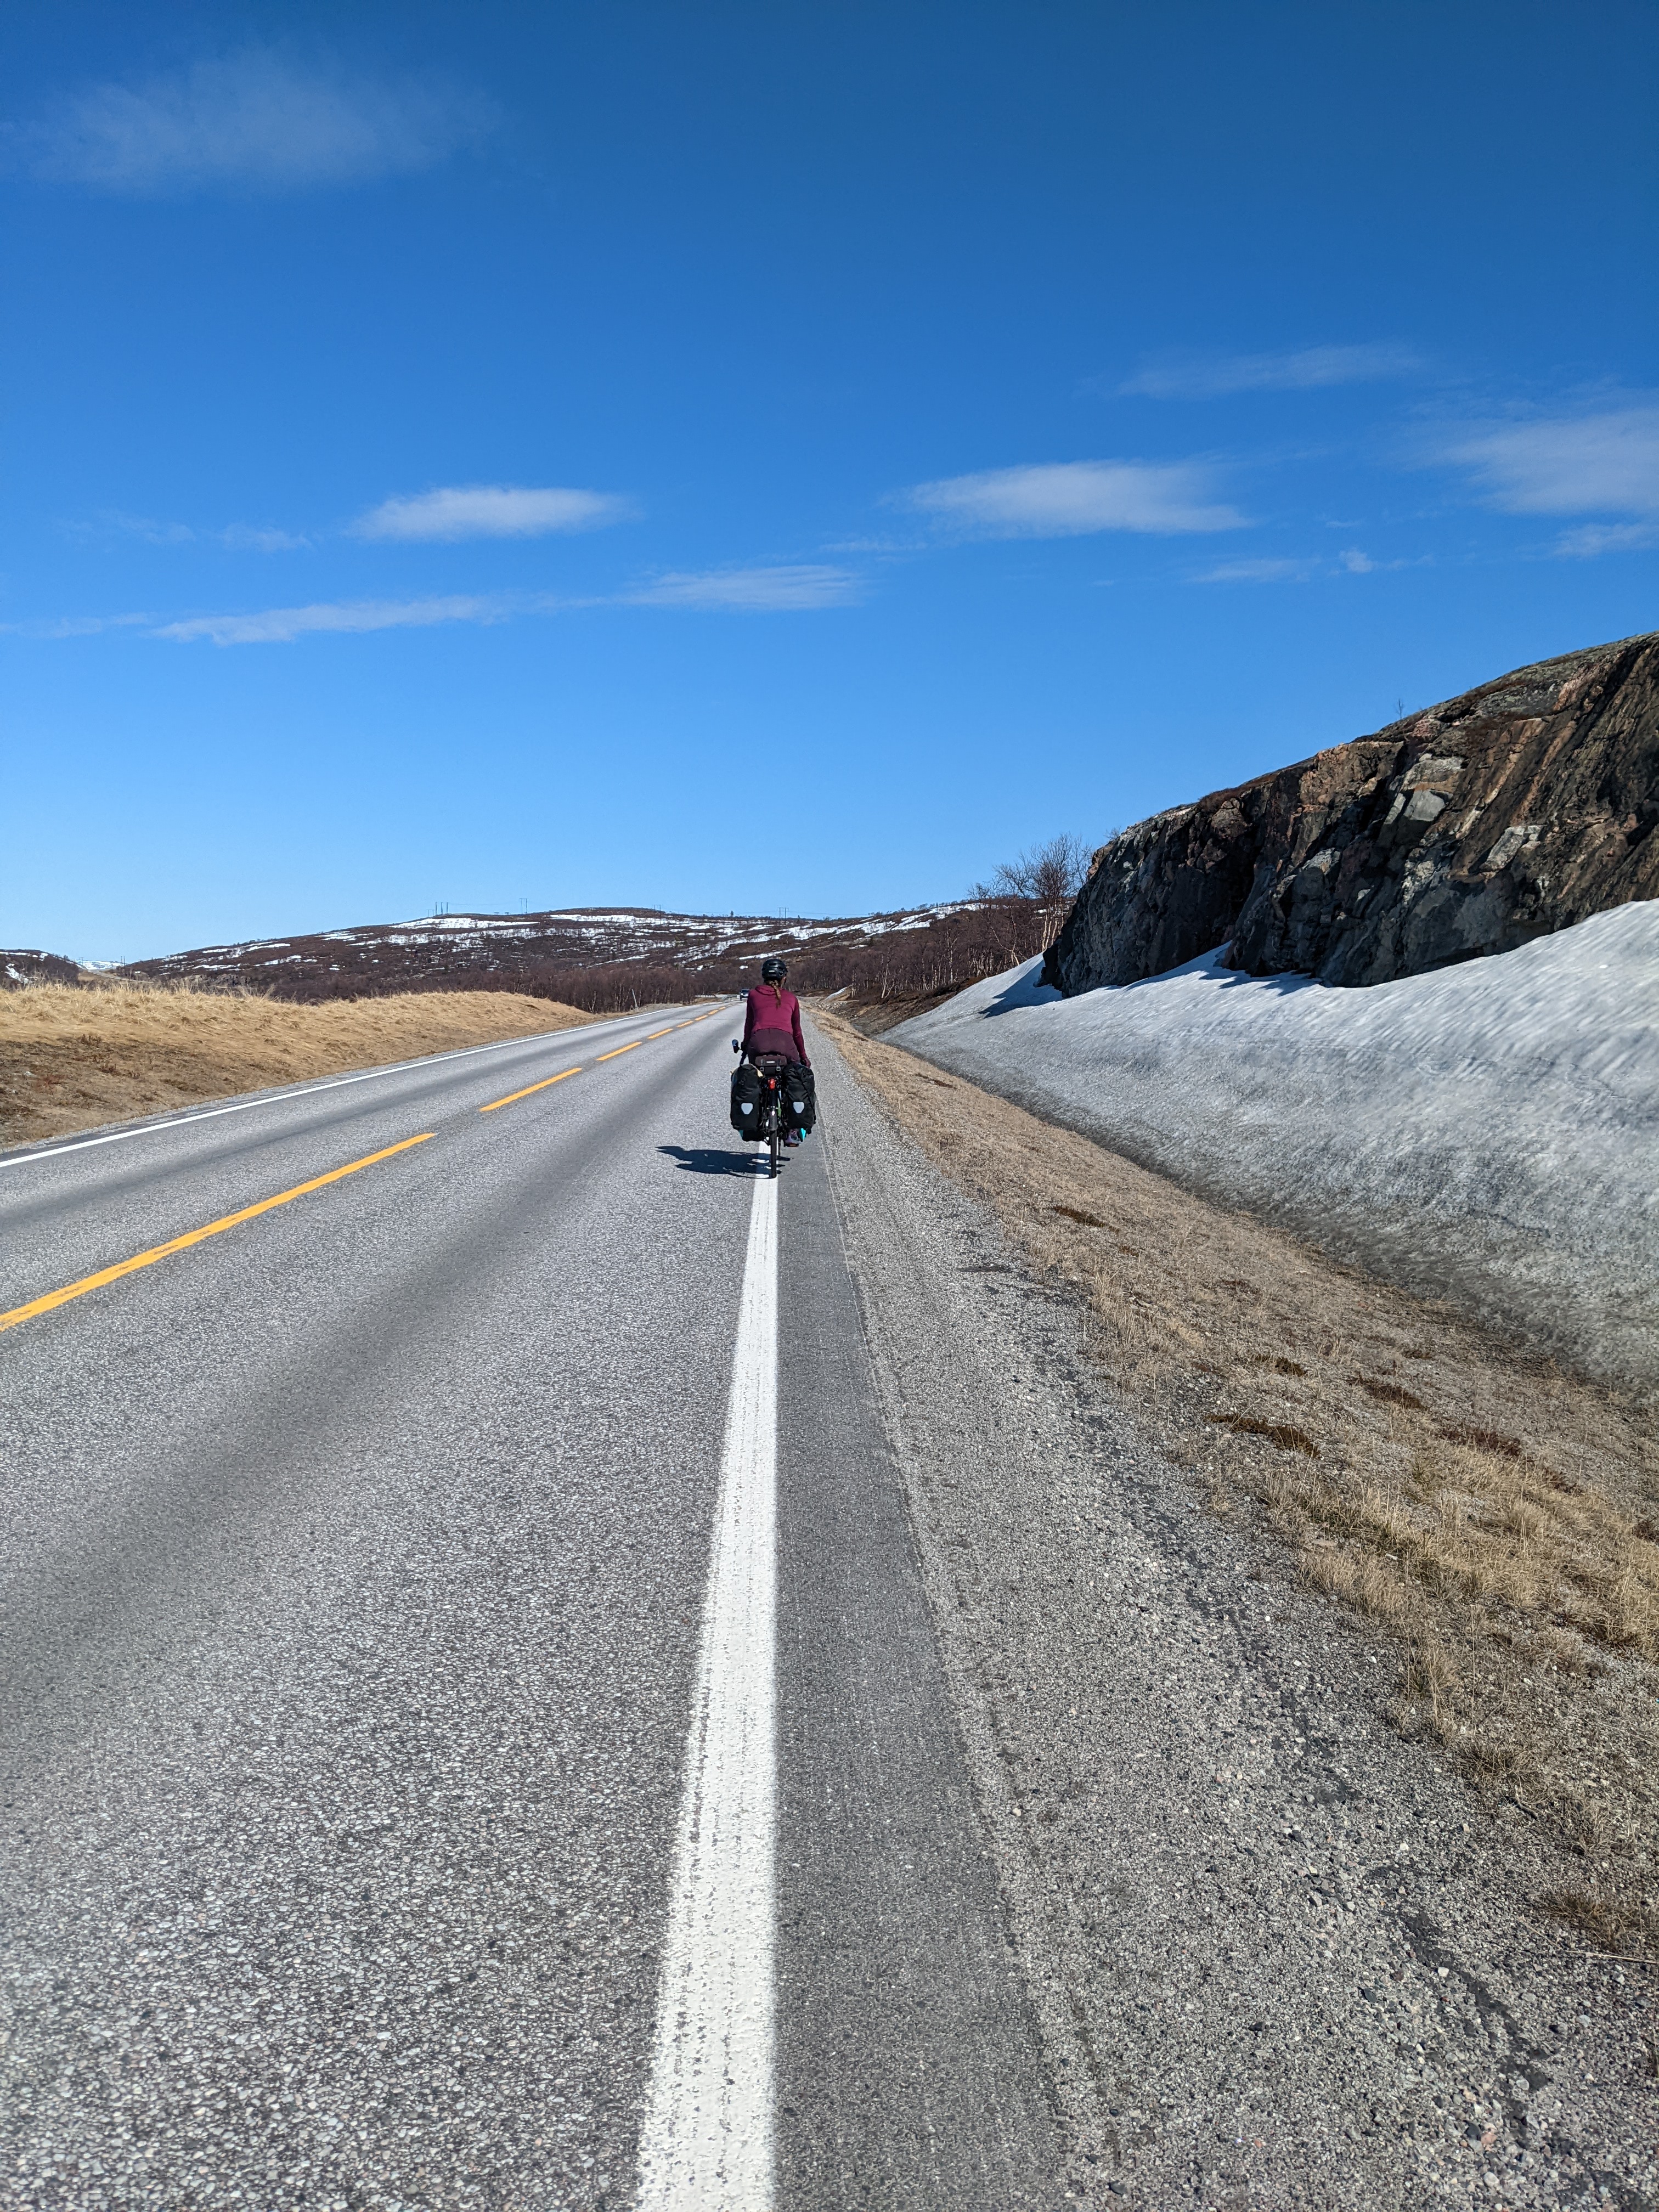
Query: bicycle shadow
x,y
705,1160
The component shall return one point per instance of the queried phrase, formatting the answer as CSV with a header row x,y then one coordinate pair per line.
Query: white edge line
x,y
706,2144
280,1098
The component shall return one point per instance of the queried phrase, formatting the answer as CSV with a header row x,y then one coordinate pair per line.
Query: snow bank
x,y
1489,1132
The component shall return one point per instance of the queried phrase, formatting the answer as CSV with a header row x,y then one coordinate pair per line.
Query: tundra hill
x,y
1518,809
603,958
18,967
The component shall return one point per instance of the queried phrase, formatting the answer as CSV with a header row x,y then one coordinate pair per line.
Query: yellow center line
x,y
529,1090
622,1049
51,1298
656,1033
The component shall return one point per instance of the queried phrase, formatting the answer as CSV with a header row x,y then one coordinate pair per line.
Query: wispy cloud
x,y
255,119
459,511
1213,376
1604,461
246,537
112,522
1584,545
281,625
785,589
1270,569
782,590
238,536
877,542
1264,571
1075,499
65,626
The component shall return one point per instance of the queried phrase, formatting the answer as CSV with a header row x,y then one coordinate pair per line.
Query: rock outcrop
x,y
1518,809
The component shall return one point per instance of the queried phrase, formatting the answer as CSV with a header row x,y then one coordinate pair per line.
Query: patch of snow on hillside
x,y
1488,1133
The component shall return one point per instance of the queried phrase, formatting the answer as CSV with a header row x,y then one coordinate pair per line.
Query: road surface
x,y
356,1675
542,1669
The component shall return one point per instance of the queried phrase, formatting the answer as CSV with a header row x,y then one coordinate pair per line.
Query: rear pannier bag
x,y
745,1100
800,1095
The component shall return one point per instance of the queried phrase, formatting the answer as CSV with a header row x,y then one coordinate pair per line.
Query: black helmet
x,y
774,971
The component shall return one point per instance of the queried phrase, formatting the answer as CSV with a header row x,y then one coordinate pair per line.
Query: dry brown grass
x,y
1496,1518
74,1058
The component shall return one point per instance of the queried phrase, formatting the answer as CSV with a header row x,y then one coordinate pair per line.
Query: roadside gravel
x,y
1280,1956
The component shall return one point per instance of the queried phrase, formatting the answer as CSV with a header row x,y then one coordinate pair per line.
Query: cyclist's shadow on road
x,y
706,1161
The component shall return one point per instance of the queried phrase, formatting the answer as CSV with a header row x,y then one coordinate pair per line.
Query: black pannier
x,y
745,1100
800,1095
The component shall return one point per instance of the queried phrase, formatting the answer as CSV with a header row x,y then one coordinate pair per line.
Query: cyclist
x,y
772,1023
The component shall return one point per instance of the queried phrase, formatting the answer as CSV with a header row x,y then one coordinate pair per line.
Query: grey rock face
x,y
1518,809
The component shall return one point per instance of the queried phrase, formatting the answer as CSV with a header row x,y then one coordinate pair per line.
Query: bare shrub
x,y
1045,878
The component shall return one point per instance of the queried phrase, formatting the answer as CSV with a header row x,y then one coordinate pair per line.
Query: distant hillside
x,y
19,967
603,958
1516,809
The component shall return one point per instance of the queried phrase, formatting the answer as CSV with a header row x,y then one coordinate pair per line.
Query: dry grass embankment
x,y
1495,1520
74,1058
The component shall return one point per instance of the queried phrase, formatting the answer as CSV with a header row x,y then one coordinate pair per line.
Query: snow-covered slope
x,y
1489,1132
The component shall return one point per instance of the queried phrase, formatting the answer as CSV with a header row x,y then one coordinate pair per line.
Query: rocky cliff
x,y
1517,809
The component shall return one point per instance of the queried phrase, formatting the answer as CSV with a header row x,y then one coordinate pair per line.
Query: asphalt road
x,y
358,1560
547,1671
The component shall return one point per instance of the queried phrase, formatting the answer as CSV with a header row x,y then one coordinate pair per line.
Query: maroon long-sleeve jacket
x,y
772,1023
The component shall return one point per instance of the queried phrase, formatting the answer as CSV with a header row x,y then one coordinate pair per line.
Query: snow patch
x,y
1488,1133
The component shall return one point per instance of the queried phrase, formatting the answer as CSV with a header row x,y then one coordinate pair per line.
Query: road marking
x,y
655,1034
622,1049
529,1091
51,1298
24,1159
707,2141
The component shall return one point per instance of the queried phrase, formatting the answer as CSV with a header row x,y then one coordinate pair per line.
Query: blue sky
x,y
775,457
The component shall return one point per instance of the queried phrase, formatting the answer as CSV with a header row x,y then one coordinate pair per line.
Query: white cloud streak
x,y
1075,499
1313,368
113,522
55,627
460,511
1273,569
782,590
1607,537
1264,571
245,537
281,625
255,119
1601,463
236,537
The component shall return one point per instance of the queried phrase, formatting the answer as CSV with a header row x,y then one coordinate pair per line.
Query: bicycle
x,y
771,1123
769,1066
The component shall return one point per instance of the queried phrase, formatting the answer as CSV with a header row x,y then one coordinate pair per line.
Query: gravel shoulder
x,y
1280,1955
